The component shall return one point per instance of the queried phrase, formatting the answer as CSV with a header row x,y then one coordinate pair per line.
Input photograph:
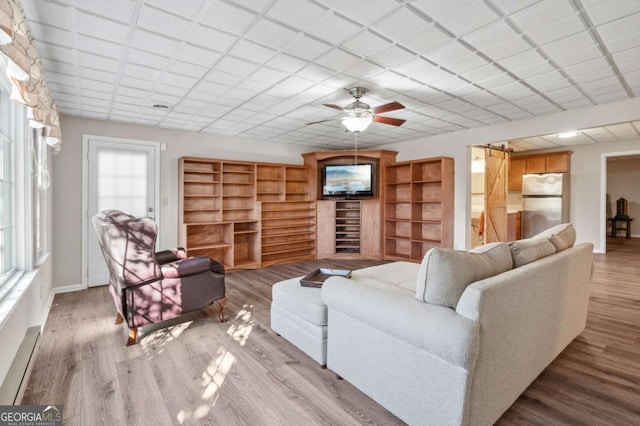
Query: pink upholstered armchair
x,y
149,287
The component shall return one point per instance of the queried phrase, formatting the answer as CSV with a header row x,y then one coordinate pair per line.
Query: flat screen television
x,y
347,180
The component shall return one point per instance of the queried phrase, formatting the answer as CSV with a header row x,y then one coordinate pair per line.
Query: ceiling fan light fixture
x,y
357,123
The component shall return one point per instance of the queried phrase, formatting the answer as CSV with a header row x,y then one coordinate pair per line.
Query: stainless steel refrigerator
x,y
545,202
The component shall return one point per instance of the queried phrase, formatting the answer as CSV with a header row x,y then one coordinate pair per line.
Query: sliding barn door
x,y
495,201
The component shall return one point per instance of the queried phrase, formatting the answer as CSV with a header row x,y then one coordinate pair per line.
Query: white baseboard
x,y
67,288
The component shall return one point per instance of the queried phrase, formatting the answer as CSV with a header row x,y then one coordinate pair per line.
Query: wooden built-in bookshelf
x,y
418,208
221,214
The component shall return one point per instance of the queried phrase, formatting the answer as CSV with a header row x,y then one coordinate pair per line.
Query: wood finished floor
x,y
201,371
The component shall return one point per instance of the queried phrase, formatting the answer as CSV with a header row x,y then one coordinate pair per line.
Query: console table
x,y
616,226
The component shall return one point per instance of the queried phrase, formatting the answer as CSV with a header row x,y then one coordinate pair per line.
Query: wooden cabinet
x,y
516,170
553,162
418,208
370,229
349,227
221,216
535,164
558,163
326,228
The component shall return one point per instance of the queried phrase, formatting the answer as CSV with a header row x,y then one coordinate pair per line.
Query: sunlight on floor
x,y
212,380
240,332
154,340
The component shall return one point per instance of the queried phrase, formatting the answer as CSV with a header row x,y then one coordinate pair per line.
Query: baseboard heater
x,y
15,382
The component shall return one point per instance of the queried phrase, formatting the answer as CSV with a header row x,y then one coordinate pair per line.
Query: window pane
x,y
122,181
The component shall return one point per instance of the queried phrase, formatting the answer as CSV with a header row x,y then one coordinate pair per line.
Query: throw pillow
x,y
561,236
530,249
444,274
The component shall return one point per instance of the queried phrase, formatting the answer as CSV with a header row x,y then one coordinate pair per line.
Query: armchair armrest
x,y
437,330
186,267
168,256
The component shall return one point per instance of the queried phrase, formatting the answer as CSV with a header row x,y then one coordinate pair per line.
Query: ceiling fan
x,y
358,115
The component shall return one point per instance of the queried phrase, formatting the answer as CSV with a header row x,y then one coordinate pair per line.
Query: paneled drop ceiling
x,y
261,69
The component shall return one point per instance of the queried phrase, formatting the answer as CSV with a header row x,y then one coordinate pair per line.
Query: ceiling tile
x,y
541,14
522,60
94,74
611,10
363,69
568,45
105,29
367,43
178,80
306,47
161,22
44,11
510,6
470,18
150,42
118,10
392,56
268,75
256,5
129,81
298,14
189,70
510,47
315,72
579,57
226,17
414,66
248,49
386,78
141,72
450,52
401,24
202,36
557,30
90,44
271,33
98,62
229,79
338,59
438,9
197,55
333,28
187,9
286,63
147,59
426,40
364,11
236,66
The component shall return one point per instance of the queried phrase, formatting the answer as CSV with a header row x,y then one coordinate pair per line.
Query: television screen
x,y
348,179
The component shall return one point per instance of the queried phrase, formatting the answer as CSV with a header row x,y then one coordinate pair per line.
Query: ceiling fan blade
x,y
339,108
321,121
391,106
388,120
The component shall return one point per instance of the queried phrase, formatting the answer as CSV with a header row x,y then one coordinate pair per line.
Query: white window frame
x,y
22,208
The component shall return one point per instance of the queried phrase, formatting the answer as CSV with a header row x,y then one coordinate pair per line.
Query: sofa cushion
x,y
530,249
444,274
561,236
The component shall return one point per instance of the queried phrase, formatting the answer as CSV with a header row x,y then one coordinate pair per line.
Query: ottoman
x,y
299,315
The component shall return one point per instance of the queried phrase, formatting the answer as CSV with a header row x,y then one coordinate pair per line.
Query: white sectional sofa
x,y
456,340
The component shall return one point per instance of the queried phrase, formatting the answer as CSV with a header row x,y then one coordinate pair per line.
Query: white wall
x,y
67,170
622,182
585,163
67,182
